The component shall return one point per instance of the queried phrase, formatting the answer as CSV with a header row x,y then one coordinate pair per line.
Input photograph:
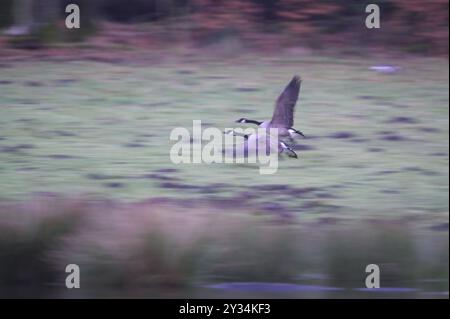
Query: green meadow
x,y
86,177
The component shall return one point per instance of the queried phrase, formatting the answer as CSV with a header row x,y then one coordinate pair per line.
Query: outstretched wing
x,y
283,116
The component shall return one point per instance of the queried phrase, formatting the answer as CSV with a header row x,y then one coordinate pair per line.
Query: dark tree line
x,y
416,24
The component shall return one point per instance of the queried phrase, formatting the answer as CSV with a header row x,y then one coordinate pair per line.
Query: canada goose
x,y
255,139
283,115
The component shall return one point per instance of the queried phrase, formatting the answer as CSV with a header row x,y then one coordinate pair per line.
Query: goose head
x,y
290,151
293,132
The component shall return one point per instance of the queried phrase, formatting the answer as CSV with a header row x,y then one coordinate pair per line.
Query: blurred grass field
x,y
378,143
376,149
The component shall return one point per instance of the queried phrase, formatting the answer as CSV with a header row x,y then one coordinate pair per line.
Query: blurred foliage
x,y
165,246
6,16
415,26
26,241
142,10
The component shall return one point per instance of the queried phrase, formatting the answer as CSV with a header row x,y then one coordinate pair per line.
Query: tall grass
x,y
164,244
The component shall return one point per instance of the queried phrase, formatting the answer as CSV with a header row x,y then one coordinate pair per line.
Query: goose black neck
x,y
254,122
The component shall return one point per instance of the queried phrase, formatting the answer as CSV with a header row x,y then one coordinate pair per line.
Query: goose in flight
x,y
256,140
283,115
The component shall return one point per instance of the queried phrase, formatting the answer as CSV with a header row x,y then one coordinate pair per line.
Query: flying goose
x,y
283,115
255,139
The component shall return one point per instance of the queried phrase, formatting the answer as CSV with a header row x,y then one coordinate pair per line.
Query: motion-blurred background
x,y
86,178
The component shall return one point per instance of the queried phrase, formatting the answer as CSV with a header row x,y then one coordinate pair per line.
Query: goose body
x,y
262,142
